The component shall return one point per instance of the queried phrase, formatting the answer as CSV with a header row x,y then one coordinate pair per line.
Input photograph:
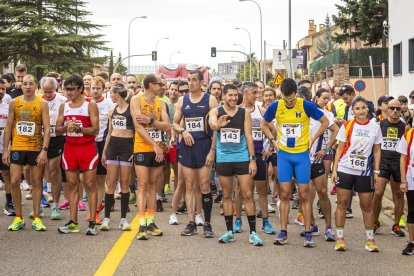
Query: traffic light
x,y
154,55
213,52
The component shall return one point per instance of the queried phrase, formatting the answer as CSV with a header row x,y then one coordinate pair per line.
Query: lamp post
x,y
129,39
261,37
156,49
173,53
250,50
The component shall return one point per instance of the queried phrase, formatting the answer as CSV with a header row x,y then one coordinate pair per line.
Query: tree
x,y
244,72
111,64
120,67
49,35
347,21
326,44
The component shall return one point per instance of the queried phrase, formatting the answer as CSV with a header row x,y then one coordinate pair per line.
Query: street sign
x,y
278,80
360,85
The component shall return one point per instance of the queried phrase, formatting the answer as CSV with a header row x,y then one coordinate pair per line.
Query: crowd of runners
x,y
101,138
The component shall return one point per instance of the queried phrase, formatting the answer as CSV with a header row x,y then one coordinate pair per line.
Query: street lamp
x,y
250,43
261,36
156,48
129,39
241,46
173,53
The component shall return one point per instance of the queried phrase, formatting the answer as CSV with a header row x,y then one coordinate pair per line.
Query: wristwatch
x,y
152,121
253,157
377,171
182,130
45,148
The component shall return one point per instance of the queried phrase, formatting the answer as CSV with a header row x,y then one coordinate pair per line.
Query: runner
x,y
234,146
356,167
16,89
383,107
27,115
117,155
87,78
151,119
215,90
293,141
197,150
79,119
54,101
392,129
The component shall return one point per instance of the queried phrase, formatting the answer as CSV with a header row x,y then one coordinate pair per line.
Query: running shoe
x,y
142,233
227,237
255,240
295,204
237,228
208,230
313,229
97,219
41,214
268,228
320,214
55,214
299,219
270,209
29,195
24,186
9,210
349,213
275,199
124,225
173,219
409,249
218,198
132,198
190,229
377,226
1,185
153,230
340,244
182,210
44,202
100,208
70,227
281,238
199,220
81,205
85,196
105,224
92,229
64,205
48,197
159,207
18,223
370,246
396,230
329,234
333,191
308,242
167,189
259,215
402,222
37,225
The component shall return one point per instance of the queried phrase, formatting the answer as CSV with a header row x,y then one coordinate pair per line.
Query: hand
x,y
188,138
274,144
142,119
403,186
172,142
223,121
339,121
159,154
71,127
18,84
42,158
334,177
103,159
210,158
320,154
6,158
266,154
252,168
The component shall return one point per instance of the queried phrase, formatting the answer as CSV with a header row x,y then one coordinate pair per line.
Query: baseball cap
x,y
384,99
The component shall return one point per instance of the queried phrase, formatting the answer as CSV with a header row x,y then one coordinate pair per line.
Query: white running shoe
x,y
1,185
124,225
270,208
199,221
29,195
173,219
105,224
24,186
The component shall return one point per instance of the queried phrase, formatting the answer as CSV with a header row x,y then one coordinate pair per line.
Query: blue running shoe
x,y
45,203
255,240
226,238
268,228
237,226
308,242
329,234
313,229
281,238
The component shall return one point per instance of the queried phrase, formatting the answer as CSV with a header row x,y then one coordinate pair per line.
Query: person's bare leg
x,y
90,187
15,178
377,199
73,184
398,198
55,178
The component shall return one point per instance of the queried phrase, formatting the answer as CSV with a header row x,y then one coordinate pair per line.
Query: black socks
x,y
207,200
229,222
252,223
109,202
124,204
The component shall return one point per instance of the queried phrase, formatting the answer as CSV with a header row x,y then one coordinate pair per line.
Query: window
x,y
411,55
397,62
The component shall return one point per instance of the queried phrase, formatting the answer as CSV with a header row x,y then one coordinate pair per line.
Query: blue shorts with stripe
x,y
293,164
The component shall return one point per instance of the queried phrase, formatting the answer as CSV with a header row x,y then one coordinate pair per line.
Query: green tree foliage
x,y
120,67
49,35
111,64
326,44
244,72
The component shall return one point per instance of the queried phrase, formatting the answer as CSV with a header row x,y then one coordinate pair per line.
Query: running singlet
x,y
257,133
122,120
79,116
152,111
27,127
4,113
406,147
195,115
358,156
54,105
293,124
323,140
103,107
231,141
391,134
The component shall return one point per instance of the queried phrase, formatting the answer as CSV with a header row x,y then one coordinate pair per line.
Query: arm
x,y
135,111
178,116
61,127
249,141
160,125
403,162
8,133
42,157
108,137
215,123
338,155
324,124
265,127
334,131
94,115
377,159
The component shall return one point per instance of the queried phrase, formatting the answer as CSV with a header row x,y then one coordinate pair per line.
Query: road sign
x,y
278,80
360,85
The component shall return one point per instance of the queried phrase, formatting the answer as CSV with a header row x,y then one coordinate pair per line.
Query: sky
x,y
194,26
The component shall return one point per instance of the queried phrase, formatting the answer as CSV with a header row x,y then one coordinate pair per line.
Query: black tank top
x,y
122,120
391,135
237,121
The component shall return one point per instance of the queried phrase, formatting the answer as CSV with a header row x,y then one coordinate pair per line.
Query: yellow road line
x,y
118,251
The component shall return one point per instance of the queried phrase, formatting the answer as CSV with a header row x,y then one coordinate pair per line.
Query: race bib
x,y
74,134
257,134
155,134
291,130
119,122
229,135
357,162
389,144
325,137
194,124
25,128
52,131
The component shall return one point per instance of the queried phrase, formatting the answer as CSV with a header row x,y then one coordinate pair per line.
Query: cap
x,y
237,83
384,99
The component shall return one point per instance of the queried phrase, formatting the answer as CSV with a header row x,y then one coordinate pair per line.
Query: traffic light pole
x,y
119,63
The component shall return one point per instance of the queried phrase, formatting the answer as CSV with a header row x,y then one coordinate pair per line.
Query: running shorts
x,y
293,164
80,157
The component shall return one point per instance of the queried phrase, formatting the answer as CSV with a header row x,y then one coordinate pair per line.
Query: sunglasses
x,y
393,108
184,91
289,100
411,97
73,88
